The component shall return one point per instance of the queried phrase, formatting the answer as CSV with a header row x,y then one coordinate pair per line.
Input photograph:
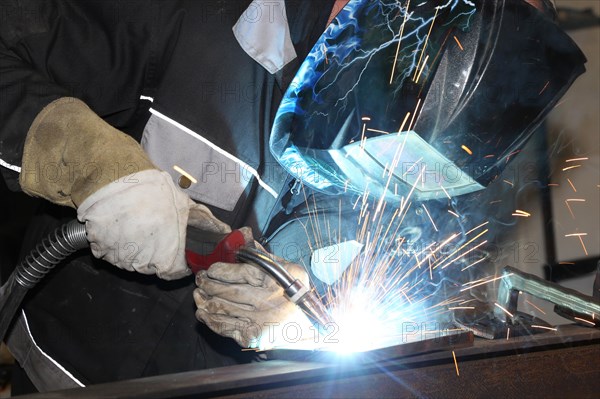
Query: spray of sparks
x,y
402,286
397,290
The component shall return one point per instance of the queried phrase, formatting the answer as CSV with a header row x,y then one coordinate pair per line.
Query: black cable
x,y
52,250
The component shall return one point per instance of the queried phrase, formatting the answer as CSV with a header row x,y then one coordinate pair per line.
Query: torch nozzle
x,y
314,309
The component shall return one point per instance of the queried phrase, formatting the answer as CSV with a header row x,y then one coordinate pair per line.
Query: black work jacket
x,y
119,56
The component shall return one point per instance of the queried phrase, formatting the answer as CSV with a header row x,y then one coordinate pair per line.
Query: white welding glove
x,y
242,302
135,216
138,223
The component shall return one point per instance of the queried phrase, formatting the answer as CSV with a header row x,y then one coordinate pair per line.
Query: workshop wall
x,y
572,132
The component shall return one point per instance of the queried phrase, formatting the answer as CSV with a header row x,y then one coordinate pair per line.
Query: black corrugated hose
x,y
64,241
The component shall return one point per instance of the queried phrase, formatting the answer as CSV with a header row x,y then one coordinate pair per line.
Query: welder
x,y
199,85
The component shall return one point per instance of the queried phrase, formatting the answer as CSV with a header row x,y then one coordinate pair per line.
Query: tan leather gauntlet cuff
x,y
70,153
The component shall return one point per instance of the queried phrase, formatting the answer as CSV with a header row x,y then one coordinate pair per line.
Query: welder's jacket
x,y
175,73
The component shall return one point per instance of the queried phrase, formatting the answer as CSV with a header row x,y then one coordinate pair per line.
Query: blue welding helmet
x,y
423,98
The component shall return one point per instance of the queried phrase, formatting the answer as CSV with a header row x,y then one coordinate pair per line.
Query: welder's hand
x,y
242,302
135,216
138,223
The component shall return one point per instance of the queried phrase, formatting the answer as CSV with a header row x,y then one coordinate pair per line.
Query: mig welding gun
x,y
202,250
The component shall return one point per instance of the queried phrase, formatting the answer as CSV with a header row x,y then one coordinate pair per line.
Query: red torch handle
x,y
204,249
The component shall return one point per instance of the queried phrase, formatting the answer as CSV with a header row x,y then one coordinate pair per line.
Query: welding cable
x,y
53,249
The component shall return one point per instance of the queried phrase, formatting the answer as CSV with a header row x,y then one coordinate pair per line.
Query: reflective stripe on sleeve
x,y
9,166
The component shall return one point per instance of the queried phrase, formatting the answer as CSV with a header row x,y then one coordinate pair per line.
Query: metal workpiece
x,y
597,282
294,289
443,342
514,281
562,363
483,323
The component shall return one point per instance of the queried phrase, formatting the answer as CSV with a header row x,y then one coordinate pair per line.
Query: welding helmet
x,y
423,98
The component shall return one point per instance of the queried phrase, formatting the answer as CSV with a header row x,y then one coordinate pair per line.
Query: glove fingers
x,y
238,325
241,273
227,319
113,253
247,233
243,294
225,326
249,238
221,306
202,218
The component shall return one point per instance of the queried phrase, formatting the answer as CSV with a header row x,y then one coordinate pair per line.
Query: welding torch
x,y
204,249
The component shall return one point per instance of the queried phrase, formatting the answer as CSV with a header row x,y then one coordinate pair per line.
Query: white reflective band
x,y
242,164
9,166
147,98
48,357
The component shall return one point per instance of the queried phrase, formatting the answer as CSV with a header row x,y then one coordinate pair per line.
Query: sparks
x,y
377,131
430,218
444,261
412,120
476,228
472,264
585,321
579,235
453,213
540,310
458,42
399,42
568,205
544,88
576,235
445,192
544,327
467,149
426,41
404,123
462,255
422,68
583,246
184,173
577,159
455,363
393,281
521,213
483,282
504,310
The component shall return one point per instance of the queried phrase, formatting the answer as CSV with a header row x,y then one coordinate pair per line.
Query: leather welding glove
x,y
135,216
242,302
